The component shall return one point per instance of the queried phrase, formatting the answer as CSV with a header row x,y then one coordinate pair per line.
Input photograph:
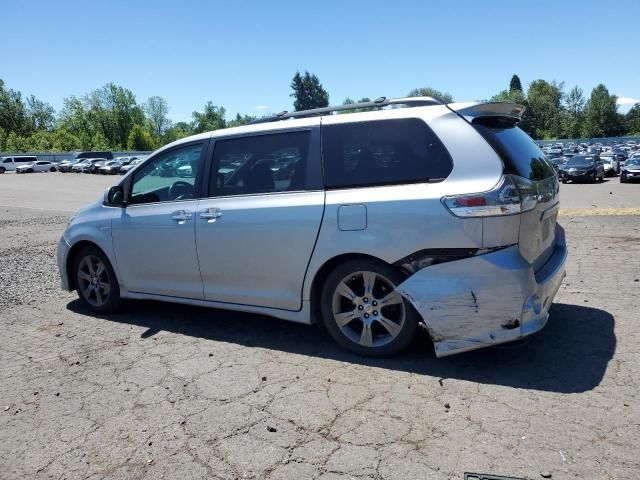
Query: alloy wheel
x,y
367,309
93,280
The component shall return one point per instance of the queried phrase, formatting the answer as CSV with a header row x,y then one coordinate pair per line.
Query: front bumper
x,y
487,299
63,253
584,177
631,176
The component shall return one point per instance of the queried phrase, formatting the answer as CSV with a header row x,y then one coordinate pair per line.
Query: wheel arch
x,y
323,272
76,248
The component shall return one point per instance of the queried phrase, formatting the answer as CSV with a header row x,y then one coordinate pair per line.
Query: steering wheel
x,y
180,190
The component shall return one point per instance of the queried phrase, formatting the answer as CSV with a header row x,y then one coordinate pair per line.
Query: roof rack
x,y
377,103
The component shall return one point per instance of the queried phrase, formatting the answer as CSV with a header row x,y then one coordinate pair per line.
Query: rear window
x,y
520,154
382,152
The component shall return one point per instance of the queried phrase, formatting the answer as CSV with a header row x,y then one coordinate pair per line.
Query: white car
x,y
610,166
9,164
39,166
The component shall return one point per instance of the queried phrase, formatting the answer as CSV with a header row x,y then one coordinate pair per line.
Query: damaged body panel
x,y
485,299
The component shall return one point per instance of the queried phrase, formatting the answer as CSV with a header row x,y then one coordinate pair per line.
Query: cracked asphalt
x,y
169,391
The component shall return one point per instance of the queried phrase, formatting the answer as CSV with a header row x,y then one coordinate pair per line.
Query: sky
x,y
243,54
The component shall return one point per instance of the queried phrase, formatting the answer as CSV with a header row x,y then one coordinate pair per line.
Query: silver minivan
x,y
407,214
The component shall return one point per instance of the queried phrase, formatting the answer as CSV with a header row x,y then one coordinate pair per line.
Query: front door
x,y
154,236
256,232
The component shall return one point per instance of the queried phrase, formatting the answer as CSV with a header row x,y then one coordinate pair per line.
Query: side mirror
x,y
115,196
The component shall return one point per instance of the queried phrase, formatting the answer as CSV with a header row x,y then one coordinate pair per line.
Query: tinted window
x,y
520,154
382,152
25,159
168,177
260,164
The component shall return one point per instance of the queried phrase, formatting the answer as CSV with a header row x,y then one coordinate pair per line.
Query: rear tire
x,y
30,170
2,170
95,280
366,288
52,169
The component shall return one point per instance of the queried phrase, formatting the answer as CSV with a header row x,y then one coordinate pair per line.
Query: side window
x,y
382,152
168,177
260,164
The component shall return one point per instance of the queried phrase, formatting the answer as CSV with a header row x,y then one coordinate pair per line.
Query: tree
x,y
632,120
573,112
212,118
157,110
308,92
41,115
544,100
239,120
515,85
112,110
601,114
13,112
444,97
139,139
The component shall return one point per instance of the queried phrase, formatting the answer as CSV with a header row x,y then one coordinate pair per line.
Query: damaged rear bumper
x,y
487,299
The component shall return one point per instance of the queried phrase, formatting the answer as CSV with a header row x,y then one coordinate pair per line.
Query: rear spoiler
x,y
476,110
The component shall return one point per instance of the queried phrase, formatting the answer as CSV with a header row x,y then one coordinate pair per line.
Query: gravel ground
x,y
167,391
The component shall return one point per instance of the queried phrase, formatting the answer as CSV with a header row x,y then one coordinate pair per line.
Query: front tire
x,y
96,281
362,311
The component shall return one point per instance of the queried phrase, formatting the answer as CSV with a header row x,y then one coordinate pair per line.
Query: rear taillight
x,y
512,195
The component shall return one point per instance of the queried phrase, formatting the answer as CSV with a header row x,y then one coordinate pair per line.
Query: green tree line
x,y
111,118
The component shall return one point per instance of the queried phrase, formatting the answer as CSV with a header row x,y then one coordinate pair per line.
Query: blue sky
x,y
242,54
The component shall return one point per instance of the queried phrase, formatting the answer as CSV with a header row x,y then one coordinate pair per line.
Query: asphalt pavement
x,y
169,391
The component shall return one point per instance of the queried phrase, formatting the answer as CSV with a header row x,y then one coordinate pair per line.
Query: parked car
x,y
9,164
39,166
79,165
65,166
582,168
85,155
558,162
96,164
631,171
110,167
375,234
125,168
610,165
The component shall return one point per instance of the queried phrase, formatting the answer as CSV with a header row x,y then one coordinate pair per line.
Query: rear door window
x,y
520,154
260,164
383,152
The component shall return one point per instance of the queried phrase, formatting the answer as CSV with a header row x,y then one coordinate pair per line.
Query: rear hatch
x,y
523,158
525,162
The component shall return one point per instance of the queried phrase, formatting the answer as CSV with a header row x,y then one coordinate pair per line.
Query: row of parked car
x,y
594,161
117,166
82,162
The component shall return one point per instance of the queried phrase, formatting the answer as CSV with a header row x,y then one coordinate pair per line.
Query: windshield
x,y
580,162
634,162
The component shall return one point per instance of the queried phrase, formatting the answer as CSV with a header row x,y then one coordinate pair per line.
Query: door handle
x,y
210,214
181,216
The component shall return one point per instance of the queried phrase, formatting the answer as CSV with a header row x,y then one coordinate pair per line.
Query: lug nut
x,y
360,307
375,313
366,315
365,299
375,304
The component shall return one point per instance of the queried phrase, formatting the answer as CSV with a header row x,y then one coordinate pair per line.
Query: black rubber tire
x,y
564,181
30,170
52,169
409,328
114,301
2,170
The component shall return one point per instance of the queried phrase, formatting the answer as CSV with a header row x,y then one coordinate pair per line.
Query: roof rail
x,y
377,103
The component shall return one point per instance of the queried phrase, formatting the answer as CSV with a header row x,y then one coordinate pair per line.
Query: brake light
x,y
512,195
